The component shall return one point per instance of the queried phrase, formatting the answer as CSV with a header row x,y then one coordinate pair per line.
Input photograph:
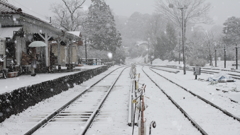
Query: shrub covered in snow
x,y
197,62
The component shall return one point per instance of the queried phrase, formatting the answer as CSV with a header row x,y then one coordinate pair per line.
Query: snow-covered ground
x,y
113,116
212,92
205,115
138,60
220,64
232,89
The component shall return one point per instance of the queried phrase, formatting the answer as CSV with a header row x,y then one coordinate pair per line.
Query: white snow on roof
x,y
76,33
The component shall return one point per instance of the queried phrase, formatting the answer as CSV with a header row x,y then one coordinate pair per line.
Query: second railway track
x,y
234,75
213,121
76,116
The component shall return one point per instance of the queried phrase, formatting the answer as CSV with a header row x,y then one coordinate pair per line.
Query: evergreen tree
x,y
166,43
100,27
232,30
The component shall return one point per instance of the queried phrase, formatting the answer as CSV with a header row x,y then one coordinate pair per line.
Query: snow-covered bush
x,y
197,62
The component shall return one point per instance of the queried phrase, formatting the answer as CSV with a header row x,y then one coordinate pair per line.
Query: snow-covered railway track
x,y
76,116
213,120
205,71
196,125
166,70
202,98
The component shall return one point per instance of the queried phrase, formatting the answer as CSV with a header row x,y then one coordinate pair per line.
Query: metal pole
x,y
236,57
148,51
210,57
184,66
86,51
142,115
179,57
152,124
215,58
224,57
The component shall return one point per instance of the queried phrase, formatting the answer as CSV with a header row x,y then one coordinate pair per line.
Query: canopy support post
x,y
47,49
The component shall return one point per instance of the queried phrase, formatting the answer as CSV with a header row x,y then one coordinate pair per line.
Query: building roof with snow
x,y
76,33
11,17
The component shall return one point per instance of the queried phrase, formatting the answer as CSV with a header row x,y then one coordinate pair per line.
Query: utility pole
x,y
148,51
184,62
224,57
179,55
215,57
183,35
236,56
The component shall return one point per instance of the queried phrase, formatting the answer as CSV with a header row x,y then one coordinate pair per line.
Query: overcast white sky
x,y
221,9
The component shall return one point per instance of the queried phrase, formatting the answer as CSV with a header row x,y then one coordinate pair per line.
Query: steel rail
x,y
195,124
49,117
202,71
90,120
203,99
166,70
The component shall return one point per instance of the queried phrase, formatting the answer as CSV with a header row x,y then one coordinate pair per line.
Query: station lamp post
x,y
183,40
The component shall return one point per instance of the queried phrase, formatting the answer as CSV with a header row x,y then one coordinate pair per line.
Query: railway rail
x,y
200,97
204,70
185,99
78,114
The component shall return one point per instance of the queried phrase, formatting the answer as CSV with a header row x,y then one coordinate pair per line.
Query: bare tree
x,y
195,11
183,12
68,15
